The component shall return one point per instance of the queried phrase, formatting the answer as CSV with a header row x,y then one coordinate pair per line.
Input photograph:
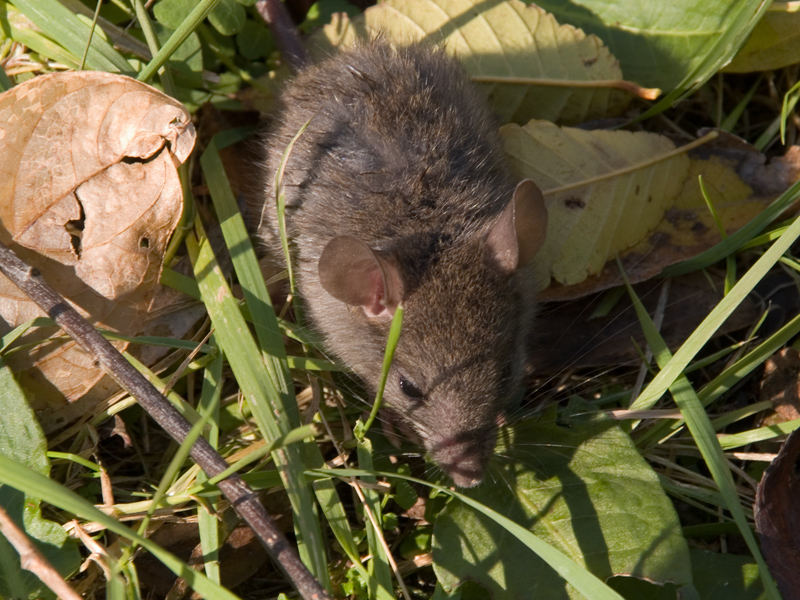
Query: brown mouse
x,y
398,192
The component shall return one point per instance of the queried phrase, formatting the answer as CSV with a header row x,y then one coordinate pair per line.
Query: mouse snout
x,y
464,456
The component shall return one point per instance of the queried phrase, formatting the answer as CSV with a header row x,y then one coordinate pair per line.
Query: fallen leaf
x,y
604,190
773,44
89,195
777,518
635,196
564,484
498,41
781,385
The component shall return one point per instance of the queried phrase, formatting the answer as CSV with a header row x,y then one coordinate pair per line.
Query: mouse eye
x,y
410,390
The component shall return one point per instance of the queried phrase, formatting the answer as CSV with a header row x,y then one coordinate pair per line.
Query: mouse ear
x,y
519,231
354,273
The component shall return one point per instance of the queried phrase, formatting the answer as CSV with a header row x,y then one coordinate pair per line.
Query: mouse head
x,y
461,349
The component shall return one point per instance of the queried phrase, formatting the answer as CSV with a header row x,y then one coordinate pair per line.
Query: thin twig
x,y
34,561
242,498
284,32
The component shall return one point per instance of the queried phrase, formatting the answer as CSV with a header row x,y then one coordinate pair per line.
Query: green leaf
x,y
725,576
22,440
565,485
171,13
674,46
254,41
321,12
773,44
228,17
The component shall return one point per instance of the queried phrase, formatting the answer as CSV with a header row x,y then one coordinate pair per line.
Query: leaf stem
x,y
620,84
711,135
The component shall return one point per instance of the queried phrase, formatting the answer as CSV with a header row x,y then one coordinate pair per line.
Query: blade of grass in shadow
x,y
693,344
37,485
576,575
272,354
207,522
65,28
704,436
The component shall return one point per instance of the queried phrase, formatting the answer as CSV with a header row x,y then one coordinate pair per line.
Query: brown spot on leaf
x,y
574,203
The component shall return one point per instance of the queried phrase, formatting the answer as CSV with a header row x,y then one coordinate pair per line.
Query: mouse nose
x,y
464,457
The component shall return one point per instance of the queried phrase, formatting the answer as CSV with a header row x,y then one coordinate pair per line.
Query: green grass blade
x,y
705,437
380,580
729,441
271,405
32,39
208,525
391,344
65,28
36,485
689,349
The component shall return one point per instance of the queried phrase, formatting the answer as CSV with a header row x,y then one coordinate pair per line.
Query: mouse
x,y
397,193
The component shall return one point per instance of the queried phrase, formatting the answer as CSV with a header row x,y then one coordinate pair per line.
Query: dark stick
x,y
283,29
242,498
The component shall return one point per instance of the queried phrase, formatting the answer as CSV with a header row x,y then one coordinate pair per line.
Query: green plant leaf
x,y
566,486
22,440
254,41
773,44
228,17
675,46
500,39
171,13
725,576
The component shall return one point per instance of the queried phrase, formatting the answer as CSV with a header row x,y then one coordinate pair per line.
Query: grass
x,y
255,384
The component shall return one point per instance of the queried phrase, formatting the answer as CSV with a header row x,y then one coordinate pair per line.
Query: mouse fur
x,y
398,192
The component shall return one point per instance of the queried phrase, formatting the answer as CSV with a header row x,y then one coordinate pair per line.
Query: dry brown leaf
x,y
777,519
90,195
780,385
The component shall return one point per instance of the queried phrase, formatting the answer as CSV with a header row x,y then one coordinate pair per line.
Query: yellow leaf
x,y
773,44
528,65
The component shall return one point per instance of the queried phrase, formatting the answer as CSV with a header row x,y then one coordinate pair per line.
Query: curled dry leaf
x,y
636,196
506,45
90,196
777,518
